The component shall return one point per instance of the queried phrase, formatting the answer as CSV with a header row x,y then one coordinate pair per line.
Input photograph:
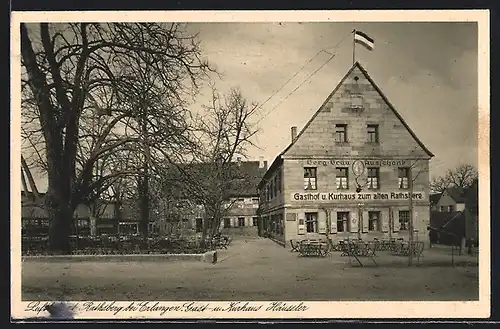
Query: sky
x,y
428,71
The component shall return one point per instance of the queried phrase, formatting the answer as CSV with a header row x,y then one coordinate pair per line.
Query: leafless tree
x,y
80,104
212,177
463,176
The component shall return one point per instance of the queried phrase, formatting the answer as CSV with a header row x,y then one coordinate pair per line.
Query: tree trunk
x,y
144,207
60,218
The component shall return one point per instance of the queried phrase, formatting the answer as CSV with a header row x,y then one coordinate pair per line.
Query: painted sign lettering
x,y
370,196
371,163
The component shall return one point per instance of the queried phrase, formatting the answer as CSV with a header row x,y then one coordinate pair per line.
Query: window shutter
x,y
333,221
354,221
322,222
385,220
301,223
365,221
415,221
395,220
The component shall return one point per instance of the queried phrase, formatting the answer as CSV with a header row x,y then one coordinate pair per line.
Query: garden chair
x,y
295,245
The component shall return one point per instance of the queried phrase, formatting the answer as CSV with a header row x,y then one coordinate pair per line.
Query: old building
x,y
239,208
452,199
349,172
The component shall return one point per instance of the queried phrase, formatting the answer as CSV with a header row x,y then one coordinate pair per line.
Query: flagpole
x,y
353,46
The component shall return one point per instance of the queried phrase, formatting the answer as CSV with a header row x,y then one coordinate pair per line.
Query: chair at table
x,y
295,245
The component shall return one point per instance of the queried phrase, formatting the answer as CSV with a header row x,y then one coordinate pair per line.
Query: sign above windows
x,y
357,197
367,163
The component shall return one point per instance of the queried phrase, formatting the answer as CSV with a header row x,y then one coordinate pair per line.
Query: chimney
x,y
261,162
294,133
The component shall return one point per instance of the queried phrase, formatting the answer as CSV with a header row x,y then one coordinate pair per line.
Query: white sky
x,y
427,70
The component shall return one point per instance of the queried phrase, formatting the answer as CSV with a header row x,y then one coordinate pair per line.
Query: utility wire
x,y
304,81
291,78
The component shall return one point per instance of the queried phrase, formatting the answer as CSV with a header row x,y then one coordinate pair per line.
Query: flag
x,y
365,40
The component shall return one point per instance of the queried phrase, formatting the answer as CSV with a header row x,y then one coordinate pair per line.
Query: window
x,y
372,133
241,200
373,221
341,133
311,222
403,174
373,178
451,208
356,101
309,178
342,179
404,220
342,221
227,222
255,200
278,180
255,221
241,221
275,185
443,208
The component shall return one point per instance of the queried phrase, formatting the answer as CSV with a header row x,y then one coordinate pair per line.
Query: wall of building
x,y
316,147
446,201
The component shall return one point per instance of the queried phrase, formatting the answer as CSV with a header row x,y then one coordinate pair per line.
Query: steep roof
x,y
245,176
277,161
459,194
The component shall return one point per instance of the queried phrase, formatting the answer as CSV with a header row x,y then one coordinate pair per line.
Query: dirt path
x,y
251,269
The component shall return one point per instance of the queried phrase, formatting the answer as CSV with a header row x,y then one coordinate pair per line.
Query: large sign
x,y
357,197
366,163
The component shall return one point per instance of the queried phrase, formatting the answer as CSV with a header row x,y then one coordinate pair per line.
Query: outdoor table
x,y
313,248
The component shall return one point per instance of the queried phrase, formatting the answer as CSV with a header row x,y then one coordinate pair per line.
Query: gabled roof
x,y
278,159
459,194
245,176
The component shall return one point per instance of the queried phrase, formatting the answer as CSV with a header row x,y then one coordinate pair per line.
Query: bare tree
x,y
76,72
463,176
212,177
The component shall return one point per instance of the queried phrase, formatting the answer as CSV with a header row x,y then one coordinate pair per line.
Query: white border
x,y
383,309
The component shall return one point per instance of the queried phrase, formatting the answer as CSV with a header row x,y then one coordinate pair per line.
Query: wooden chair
x,y
295,245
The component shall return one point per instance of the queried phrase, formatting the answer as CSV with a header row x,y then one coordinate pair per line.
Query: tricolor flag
x,y
362,38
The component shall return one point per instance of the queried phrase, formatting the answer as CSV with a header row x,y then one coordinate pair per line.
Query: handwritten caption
x,y
163,308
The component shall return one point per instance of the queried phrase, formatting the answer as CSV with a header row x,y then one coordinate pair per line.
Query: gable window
x,y
374,221
241,221
341,133
373,178
309,178
356,101
404,220
451,208
311,222
342,179
372,133
403,174
343,221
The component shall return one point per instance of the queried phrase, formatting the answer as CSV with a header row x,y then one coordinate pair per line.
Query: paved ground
x,y
255,269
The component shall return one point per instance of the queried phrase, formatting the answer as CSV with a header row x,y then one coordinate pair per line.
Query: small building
x,y
350,172
452,199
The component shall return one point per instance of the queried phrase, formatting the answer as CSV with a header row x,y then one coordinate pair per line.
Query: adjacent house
x,y
350,172
452,199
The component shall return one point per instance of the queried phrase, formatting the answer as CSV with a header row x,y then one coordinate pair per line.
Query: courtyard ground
x,y
257,269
